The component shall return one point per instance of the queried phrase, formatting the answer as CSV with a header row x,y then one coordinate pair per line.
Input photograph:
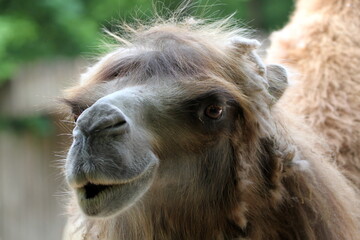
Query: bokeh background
x,y
44,46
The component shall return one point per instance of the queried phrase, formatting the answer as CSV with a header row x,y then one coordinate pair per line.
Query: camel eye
x,y
214,111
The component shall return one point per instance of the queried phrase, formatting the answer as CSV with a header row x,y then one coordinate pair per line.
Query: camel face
x,y
169,107
119,139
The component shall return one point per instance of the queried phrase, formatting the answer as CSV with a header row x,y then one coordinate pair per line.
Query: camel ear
x,y
244,45
277,78
248,46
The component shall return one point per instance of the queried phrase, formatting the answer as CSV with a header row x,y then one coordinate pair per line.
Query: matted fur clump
x,y
179,135
321,43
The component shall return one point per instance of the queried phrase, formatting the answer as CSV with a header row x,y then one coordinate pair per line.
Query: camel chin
x,y
104,200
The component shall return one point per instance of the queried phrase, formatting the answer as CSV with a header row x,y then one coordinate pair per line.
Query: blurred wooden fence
x,y
31,207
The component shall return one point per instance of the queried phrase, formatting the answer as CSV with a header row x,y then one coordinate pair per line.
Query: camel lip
x,y
100,182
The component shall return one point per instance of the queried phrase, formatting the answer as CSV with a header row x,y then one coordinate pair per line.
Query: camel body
x,y
180,134
321,45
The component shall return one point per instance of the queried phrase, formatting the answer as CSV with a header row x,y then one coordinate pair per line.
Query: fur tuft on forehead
x,y
177,49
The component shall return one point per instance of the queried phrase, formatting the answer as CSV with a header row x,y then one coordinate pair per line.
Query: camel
x,y
179,135
321,45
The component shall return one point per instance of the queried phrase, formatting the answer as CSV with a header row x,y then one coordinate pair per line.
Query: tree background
x,y
49,28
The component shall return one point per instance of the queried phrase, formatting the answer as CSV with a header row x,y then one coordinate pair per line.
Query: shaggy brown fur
x,y
322,44
264,177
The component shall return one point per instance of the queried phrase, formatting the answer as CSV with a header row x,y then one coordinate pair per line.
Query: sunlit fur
x,y
261,175
321,43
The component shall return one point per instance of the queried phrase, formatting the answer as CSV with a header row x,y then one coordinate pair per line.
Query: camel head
x,y
167,118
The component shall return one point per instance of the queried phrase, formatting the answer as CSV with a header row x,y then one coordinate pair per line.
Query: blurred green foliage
x,y
40,126
47,28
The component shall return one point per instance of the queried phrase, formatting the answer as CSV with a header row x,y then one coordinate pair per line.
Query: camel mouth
x,y
97,200
92,190
103,200
92,197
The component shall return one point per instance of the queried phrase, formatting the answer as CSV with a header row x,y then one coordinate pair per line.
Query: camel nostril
x,y
116,125
102,118
110,125
116,128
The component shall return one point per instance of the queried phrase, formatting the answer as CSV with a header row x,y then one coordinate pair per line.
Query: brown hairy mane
x,y
275,182
321,44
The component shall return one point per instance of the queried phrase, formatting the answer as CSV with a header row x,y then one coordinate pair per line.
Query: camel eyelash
x,y
75,108
76,111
